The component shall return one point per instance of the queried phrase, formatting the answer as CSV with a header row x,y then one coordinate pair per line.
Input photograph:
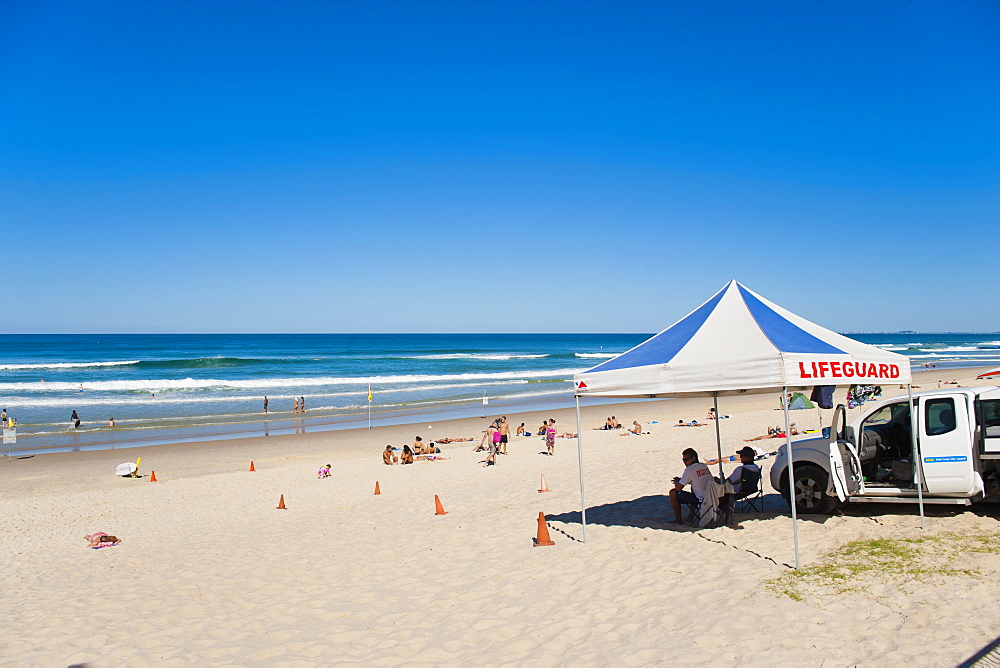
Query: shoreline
x,y
296,426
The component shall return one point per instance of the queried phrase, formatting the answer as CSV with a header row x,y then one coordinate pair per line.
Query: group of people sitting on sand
x,y
419,452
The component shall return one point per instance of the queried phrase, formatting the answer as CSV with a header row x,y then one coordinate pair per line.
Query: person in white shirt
x,y
695,474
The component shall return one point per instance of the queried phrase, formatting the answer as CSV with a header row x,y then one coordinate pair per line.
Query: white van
x,y
871,459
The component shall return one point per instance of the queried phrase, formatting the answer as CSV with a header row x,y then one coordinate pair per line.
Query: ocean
x,y
167,388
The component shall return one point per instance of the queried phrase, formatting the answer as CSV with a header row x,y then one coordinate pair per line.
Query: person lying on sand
x,y
774,432
407,456
430,458
454,440
388,457
711,415
101,539
692,423
568,434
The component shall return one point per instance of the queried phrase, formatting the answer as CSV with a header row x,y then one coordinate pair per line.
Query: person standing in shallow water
x,y
296,408
302,404
265,403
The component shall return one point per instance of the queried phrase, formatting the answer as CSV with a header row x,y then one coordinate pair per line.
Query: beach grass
x,y
856,567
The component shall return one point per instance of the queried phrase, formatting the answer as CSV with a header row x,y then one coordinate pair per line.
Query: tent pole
x,y
579,452
791,476
918,470
718,431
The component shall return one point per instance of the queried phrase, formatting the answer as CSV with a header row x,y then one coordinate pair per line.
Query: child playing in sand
x,y
324,472
550,438
101,539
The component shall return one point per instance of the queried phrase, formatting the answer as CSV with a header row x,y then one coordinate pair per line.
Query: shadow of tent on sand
x,y
654,512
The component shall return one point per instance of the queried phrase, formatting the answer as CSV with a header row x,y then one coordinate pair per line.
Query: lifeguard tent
x,y
738,343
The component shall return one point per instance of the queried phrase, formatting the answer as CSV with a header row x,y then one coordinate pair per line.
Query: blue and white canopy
x,y
735,343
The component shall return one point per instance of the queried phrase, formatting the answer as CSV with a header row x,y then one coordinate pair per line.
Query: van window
x,y
990,410
939,416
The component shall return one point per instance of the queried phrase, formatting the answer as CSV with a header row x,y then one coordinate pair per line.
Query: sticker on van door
x,y
940,460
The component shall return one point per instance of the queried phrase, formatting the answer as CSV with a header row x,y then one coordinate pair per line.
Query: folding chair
x,y
751,496
699,510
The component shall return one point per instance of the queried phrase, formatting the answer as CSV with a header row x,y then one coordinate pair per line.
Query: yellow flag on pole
x,y
369,392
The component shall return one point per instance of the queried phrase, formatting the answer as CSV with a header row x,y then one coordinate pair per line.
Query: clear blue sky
x,y
454,166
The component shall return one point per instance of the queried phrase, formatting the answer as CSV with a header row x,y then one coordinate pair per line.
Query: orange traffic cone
x,y
152,476
543,532
251,466
281,503
377,490
438,508
543,488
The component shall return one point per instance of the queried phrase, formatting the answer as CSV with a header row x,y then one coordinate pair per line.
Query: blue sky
x,y
535,167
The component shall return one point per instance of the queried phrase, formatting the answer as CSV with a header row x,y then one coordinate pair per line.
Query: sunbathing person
x,y
101,539
568,434
388,457
407,456
772,432
520,431
692,423
324,471
454,440
614,423
711,415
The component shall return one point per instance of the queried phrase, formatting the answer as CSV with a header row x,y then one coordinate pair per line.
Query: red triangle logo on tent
x,y
581,385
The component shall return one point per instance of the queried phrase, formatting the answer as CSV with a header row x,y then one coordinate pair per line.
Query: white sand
x,y
210,573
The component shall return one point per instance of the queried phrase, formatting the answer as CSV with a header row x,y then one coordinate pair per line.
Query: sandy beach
x,y
210,572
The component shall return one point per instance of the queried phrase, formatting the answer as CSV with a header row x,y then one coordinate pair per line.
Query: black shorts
x,y
503,438
687,498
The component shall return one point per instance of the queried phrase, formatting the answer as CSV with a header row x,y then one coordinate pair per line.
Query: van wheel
x,y
810,490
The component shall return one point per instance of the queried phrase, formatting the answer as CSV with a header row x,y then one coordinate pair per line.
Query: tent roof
x,y
739,342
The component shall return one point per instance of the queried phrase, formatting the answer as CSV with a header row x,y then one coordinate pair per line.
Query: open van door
x,y
845,467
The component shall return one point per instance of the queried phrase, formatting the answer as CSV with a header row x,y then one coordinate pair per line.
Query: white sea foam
x,y
477,356
161,385
77,399
951,349
597,356
63,365
889,346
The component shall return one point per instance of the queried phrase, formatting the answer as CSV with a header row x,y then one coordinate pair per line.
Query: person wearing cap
x,y
746,474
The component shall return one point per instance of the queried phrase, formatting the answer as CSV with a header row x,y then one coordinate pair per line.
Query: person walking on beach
x,y
75,419
550,438
302,404
3,418
265,403
504,434
296,408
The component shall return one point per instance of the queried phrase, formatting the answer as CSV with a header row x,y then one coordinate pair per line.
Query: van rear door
x,y
946,432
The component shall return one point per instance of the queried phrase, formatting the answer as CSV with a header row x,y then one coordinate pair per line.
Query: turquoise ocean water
x,y
171,388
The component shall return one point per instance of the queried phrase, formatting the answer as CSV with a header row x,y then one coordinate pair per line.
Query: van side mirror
x,y
826,432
